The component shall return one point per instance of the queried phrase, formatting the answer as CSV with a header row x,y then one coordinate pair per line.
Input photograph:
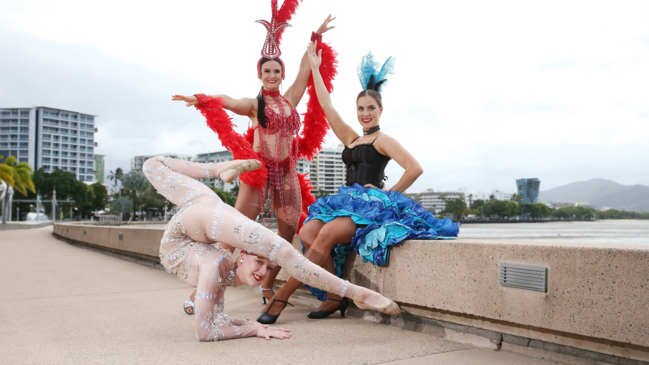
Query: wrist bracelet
x,y
316,37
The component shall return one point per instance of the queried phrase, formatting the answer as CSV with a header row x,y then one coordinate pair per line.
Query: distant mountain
x,y
600,193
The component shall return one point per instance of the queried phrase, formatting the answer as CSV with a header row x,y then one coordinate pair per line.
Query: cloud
x,y
483,93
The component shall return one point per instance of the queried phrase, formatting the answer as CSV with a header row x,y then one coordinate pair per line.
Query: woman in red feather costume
x,y
274,136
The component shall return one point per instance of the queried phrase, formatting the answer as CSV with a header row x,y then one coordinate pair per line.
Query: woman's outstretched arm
x,y
243,106
296,91
210,322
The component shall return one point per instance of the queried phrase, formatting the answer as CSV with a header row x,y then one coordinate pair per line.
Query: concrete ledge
x,y
596,300
140,241
595,307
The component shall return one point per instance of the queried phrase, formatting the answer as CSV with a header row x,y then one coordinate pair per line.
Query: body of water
x,y
613,232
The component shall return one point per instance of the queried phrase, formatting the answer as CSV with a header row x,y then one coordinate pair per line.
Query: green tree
x,y
123,205
99,196
477,207
226,196
143,195
576,212
17,175
67,188
536,210
456,207
134,185
501,208
6,172
116,177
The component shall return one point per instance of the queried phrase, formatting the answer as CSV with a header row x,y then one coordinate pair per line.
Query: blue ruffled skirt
x,y
384,219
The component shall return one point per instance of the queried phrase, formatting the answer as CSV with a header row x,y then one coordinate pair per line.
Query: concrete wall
x,y
597,299
134,240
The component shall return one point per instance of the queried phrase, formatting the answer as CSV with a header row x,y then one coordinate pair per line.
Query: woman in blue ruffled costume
x,y
367,218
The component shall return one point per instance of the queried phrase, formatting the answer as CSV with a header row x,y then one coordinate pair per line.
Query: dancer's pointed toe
x,y
237,168
380,304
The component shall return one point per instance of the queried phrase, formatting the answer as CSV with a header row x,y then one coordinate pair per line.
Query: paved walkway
x,y
63,304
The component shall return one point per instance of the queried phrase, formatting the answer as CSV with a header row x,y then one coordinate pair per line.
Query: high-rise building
x,y
138,161
218,156
303,166
528,190
100,169
50,139
435,201
327,170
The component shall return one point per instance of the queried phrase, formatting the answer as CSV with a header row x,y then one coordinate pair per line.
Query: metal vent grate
x,y
523,276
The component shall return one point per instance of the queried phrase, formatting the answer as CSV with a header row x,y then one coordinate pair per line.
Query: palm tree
x,y
17,175
116,177
6,174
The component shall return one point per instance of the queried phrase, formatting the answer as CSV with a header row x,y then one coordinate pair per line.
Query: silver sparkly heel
x,y
188,307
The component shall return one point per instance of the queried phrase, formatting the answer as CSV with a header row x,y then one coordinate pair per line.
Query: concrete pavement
x,y
64,304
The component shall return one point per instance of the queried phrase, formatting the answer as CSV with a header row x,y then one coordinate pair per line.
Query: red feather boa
x,y
309,140
315,121
284,14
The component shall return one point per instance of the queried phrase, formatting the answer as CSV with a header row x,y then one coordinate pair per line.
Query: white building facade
x,y
435,201
50,139
327,170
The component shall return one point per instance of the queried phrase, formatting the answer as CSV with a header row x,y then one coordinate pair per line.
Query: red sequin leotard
x,y
276,145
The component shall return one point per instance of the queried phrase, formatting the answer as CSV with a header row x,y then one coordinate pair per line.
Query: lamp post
x,y
54,205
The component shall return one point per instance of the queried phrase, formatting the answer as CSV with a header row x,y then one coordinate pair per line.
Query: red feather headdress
x,y
315,123
275,28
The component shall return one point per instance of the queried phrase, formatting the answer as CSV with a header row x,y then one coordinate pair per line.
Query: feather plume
x,y
371,75
284,15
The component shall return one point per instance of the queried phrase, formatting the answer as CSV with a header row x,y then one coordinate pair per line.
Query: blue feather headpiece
x,y
371,75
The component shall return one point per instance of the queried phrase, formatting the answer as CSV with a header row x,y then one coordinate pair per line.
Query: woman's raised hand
x,y
189,100
314,58
325,25
268,332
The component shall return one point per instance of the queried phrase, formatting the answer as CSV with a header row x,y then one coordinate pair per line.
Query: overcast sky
x,y
484,92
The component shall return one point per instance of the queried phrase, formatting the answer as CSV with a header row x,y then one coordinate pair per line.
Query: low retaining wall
x,y
597,298
133,240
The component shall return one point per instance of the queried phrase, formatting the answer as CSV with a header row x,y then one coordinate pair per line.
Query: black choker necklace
x,y
371,130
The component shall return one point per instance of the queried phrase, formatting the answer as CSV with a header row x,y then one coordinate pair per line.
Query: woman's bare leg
x,y
288,216
329,234
249,201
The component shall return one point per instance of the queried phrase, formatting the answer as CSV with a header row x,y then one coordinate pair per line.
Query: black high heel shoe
x,y
266,318
342,307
